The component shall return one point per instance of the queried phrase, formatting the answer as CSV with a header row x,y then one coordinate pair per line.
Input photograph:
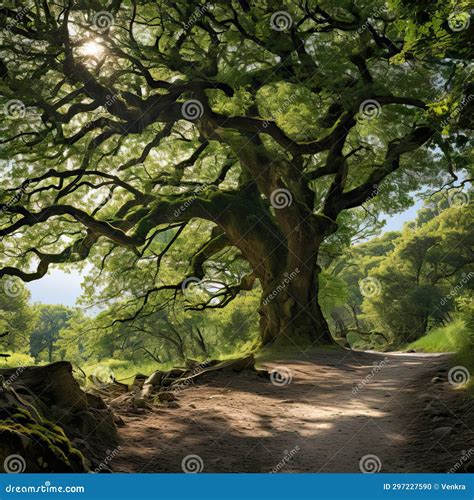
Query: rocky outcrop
x,y
48,423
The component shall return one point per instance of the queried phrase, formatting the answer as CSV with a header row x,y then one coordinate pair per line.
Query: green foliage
x,y
123,370
457,337
454,337
162,338
332,293
403,284
43,443
16,317
112,171
17,359
51,319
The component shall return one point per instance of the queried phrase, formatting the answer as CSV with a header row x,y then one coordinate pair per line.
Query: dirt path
x,y
320,422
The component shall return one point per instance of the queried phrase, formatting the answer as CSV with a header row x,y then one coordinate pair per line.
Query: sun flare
x,y
92,48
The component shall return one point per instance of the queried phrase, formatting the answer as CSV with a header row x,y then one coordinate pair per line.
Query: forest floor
x,y
322,421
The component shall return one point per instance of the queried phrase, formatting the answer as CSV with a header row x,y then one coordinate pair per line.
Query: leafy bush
x,y
456,337
17,359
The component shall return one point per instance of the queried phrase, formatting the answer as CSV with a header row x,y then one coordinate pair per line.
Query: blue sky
x,y
395,222
59,287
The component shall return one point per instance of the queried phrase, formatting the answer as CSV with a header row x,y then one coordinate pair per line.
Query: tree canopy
x,y
193,151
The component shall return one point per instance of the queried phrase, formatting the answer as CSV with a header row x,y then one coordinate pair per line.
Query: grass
x,y
451,338
15,360
280,351
455,337
124,370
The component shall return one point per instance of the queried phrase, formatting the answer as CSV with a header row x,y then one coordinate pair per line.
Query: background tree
x,y
51,319
407,282
16,317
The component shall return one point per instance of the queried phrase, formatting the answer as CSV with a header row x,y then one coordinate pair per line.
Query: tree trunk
x,y
280,239
290,311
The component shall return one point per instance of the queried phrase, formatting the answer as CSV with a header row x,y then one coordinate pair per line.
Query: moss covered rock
x,y
30,446
32,400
